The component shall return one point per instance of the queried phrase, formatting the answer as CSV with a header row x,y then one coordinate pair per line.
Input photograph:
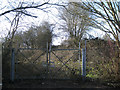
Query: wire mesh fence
x,y
30,63
46,64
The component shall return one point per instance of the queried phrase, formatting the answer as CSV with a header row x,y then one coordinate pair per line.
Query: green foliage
x,y
92,76
101,60
35,37
77,22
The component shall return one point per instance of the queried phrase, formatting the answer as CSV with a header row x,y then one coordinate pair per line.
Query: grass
x,y
98,62
92,76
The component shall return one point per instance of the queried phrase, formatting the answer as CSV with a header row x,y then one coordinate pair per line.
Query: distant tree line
x,y
35,37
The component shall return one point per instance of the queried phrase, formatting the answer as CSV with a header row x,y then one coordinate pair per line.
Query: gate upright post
x,y
13,65
85,52
79,61
83,63
49,53
47,60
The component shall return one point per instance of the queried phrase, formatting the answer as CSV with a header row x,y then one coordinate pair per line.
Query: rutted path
x,y
54,84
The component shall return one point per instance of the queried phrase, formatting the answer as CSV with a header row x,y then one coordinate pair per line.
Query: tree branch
x,y
28,7
20,8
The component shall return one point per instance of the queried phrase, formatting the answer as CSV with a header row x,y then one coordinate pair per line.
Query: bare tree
x,y
21,10
107,12
77,22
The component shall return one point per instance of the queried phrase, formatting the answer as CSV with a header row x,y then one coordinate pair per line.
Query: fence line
x,y
48,52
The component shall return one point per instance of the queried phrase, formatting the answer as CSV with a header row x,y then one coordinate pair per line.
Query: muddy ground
x,y
58,84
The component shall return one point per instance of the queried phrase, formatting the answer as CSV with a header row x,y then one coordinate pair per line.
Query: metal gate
x,y
49,63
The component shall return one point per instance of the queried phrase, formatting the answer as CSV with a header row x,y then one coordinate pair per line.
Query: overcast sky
x,y
27,21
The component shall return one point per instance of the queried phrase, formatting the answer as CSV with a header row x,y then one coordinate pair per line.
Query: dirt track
x,y
54,84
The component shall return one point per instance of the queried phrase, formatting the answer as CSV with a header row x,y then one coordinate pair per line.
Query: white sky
x,y
91,0
26,21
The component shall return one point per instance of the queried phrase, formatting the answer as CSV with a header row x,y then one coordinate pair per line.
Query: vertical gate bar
x,y
85,53
47,59
1,48
83,63
16,64
79,61
85,58
13,65
49,53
